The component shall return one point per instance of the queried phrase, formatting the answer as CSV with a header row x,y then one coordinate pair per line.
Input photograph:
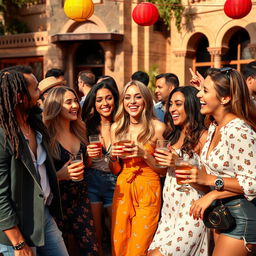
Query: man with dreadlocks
x,y
28,184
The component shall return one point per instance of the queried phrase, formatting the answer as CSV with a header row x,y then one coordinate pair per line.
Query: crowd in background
x,y
88,170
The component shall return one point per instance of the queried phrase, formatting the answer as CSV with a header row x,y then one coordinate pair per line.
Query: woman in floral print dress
x,y
178,234
229,158
62,117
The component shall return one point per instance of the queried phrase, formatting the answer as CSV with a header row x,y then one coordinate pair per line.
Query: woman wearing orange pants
x,y
137,197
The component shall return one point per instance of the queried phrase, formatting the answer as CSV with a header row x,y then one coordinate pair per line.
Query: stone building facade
x,y
111,43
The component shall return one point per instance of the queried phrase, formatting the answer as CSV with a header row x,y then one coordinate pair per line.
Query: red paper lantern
x,y
237,9
145,14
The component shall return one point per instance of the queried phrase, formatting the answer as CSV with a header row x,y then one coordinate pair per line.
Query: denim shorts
x,y
101,186
244,213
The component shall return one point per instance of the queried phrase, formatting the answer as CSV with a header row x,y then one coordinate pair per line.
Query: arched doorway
x,y
89,56
202,59
238,53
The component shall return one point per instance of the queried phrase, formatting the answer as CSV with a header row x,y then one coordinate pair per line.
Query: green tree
x,y
9,10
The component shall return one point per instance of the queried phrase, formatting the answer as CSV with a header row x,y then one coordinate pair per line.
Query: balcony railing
x,y
24,40
36,2
37,7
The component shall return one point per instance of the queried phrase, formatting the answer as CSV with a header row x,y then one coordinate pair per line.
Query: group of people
x,y
44,202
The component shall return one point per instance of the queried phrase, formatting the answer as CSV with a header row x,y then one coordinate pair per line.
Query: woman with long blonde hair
x,y
62,117
137,196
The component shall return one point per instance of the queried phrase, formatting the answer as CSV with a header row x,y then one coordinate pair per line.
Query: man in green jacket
x,y
29,192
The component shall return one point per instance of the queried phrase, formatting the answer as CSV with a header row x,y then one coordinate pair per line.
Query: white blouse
x,y
234,156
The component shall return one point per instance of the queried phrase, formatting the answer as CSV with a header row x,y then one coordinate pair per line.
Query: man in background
x,y
141,76
165,83
86,80
249,73
57,73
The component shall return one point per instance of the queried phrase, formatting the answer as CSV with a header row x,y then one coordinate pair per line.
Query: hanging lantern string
x,y
170,4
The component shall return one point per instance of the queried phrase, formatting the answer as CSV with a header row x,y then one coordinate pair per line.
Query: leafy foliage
x,y
168,9
152,73
11,24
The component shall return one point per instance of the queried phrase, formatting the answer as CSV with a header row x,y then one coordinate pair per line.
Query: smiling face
x,y
210,104
177,109
104,102
133,102
70,106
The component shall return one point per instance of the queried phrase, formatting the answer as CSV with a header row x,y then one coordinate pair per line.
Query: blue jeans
x,y
54,244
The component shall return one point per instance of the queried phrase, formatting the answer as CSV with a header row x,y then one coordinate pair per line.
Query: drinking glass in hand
x,y
126,143
184,163
78,158
163,145
95,140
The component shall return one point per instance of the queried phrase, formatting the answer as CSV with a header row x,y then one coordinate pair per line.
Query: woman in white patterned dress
x,y
229,157
178,234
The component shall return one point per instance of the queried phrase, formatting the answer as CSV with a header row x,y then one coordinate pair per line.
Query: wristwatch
x,y
19,246
219,183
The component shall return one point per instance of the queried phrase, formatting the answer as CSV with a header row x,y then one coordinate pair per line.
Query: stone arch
x,y
193,41
94,24
230,27
198,30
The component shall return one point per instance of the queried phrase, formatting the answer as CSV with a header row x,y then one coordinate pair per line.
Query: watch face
x,y
219,183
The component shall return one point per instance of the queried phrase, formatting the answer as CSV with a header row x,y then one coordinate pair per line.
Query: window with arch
x,y
238,53
202,60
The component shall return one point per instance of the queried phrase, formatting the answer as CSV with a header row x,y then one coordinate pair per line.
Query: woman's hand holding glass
x,y
125,149
94,151
72,170
193,175
165,157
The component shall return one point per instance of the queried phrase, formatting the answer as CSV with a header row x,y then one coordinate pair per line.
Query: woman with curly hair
x,y
178,233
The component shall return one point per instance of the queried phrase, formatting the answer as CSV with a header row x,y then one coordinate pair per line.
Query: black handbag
x,y
218,217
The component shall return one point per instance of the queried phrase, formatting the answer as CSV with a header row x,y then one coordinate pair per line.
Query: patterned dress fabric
x,y
136,208
234,156
77,217
178,234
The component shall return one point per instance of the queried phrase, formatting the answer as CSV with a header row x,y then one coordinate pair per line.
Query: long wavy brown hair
x,y
194,122
51,116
